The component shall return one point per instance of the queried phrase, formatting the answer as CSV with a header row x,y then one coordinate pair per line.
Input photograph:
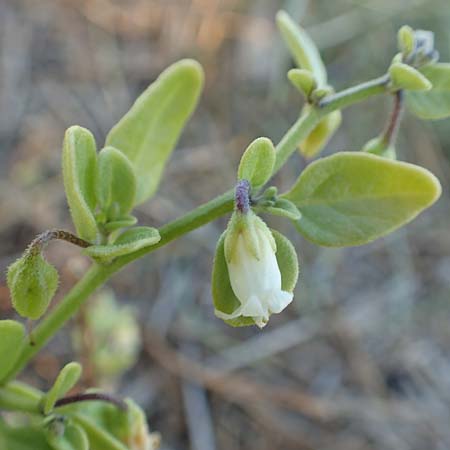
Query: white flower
x,y
254,275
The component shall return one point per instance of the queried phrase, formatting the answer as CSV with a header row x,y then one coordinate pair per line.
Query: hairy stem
x,y
215,208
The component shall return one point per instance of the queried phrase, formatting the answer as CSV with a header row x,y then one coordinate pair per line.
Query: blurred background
x,y
361,359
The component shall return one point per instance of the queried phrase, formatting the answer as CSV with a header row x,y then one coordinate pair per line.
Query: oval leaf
x,y
149,131
303,50
257,162
65,381
115,184
12,335
435,103
408,78
128,242
353,198
79,163
121,222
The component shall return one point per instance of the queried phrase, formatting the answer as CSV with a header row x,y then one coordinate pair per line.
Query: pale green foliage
x,y
115,184
353,198
12,335
406,40
66,380
408,78
280,207
149,131
23,438
303,80
32,282
378,146
257,162
73,437
302,48
79,163
319,137
223,296
435,103
129,241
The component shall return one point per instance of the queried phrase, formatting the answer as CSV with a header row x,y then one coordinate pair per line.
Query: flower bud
x,y
303,80
406,40
33,283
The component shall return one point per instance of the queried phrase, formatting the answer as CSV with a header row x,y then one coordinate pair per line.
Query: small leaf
x,y
12,335
73,438
32,282
79,162
257,162
149,131
281,207
353,198
435,103
408,78
128,242
319,137
302,47
225,300
378,146
406,40
121,222
65,381
303,80
115,184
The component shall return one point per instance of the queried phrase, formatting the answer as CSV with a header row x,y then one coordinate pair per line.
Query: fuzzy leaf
x,y
65,381
32,282
115,184
121,222
257,162
79,163
128,242
283,208
435,103
303,50
12,335
149,131
354,198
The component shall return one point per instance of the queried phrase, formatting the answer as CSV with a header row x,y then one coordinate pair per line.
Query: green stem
x,y
196,218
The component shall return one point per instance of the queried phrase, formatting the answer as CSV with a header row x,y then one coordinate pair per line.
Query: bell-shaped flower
x,y
255,277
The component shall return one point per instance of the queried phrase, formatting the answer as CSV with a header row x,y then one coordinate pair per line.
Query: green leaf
x,y
378,146
65,381
116,184
281,207
303,50
408,78
303,80
128,242
223,296
32,282
22,438
149,131
121,222
319,137
257,162
12,335
435,103
353,198
73,438
79,163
